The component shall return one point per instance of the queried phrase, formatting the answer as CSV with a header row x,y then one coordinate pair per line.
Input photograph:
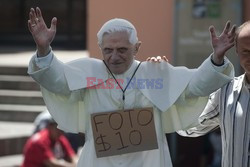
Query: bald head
x,y
118,25
242,33
243,47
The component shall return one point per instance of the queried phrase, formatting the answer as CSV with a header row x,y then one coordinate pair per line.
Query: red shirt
x,y
40,148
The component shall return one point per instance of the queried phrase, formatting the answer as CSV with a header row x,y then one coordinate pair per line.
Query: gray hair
x,y
118,25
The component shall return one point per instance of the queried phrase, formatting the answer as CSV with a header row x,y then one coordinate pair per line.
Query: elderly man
x,y
123,106
228,109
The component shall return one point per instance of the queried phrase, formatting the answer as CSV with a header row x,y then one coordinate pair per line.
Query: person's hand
x,y
42,35
221,44
157,59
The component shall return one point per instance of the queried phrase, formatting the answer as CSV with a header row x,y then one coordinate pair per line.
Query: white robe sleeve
x,y
62,86
208,78
69,117
184,113
62,103
50,77
208,121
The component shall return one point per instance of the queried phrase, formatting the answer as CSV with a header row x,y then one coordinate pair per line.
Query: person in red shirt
x,y
49,147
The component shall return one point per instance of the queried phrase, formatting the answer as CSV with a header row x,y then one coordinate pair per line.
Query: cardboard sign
x,y
124,131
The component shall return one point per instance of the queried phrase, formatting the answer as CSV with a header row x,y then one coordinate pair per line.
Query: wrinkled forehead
x,y
115,40
117,35
244,33
243,39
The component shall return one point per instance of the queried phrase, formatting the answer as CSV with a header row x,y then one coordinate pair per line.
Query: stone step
x,y
20,113
11,160
16,88
11,130
21,97
17,82
13,136
6,70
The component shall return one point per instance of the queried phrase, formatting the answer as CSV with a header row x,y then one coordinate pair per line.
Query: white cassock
x,y
177,101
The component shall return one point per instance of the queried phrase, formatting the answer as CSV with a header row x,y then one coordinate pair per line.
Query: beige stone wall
x,y
153,20
192,42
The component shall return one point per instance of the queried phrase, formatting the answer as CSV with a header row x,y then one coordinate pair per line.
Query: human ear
x,y
99,45
137,47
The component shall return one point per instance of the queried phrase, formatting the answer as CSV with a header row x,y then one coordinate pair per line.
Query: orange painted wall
x,y
152,19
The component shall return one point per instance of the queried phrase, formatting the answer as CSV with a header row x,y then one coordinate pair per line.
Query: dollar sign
x,y
100,141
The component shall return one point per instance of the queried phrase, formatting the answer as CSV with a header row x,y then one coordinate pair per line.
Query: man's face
x,y
55,133
118,53
243,49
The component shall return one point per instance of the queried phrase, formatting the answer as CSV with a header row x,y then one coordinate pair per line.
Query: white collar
x,y
129,72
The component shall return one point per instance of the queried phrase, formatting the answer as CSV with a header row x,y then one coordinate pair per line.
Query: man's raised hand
x,y
42,35
223,42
